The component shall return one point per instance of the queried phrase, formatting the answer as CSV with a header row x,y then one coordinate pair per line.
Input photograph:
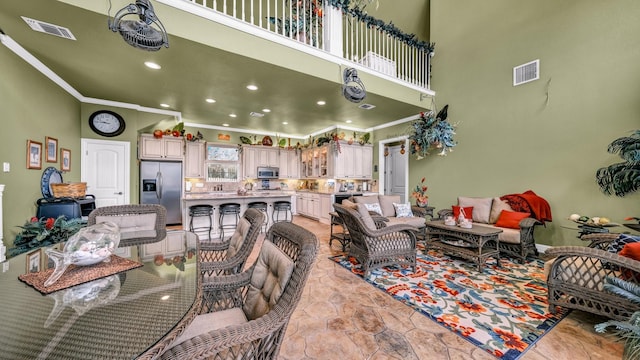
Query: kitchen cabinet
x,y
325,207
289,164
353,162
194,160
173,246
255,156
308,204
165,148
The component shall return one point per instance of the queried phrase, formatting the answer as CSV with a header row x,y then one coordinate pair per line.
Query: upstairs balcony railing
x,y
341,29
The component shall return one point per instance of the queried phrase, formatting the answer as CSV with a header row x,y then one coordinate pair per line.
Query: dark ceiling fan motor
x,y
140,33
353,88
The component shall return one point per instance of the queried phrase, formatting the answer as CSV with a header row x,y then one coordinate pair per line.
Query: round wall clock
x,y
106,123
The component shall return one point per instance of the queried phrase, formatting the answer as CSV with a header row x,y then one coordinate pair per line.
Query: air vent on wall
x,y
50,29
526,72
366,106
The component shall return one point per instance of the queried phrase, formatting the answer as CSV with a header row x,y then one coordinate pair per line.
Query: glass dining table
x,y
129,315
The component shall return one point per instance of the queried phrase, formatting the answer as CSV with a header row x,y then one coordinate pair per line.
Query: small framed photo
x,y
33,261
52,149
34,155
65,159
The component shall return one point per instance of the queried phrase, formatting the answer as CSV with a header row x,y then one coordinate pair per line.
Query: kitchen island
x,y
215,199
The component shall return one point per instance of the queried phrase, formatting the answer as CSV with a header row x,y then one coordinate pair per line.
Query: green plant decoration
x,y
622,178
432,132
628,331
42,232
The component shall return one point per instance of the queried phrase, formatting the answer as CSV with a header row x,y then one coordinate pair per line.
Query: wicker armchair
x,y
229,256
229,327
139,224
389,245
576,277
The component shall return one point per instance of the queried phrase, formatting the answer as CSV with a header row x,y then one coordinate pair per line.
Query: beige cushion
x,y
511,236
366,199
366,217
416,221
268,281
204,323
386,204
131,222
349,204
496,207
481,207
237,239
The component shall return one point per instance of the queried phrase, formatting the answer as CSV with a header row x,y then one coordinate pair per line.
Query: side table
x,y
342,236
422,212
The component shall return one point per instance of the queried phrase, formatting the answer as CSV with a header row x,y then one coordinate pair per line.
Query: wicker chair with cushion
x,y
244,316
576,275
139,223
229,256
373,247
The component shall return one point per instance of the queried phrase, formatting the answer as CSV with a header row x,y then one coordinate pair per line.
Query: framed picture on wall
x,y
52,149
65,159
34,154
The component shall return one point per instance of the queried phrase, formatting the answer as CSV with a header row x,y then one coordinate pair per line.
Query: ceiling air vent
x,y
366,106
526,72
50,29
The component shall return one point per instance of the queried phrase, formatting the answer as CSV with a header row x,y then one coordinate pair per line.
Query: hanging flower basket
x,y
432,132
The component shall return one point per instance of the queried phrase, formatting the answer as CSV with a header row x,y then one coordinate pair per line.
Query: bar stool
x,y
198,211
228,209
262,206
281,207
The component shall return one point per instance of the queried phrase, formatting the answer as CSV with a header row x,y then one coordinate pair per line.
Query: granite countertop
x,y
234,195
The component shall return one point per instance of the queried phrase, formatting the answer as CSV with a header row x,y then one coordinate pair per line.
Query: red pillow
x,y
511,219
631,250
468,211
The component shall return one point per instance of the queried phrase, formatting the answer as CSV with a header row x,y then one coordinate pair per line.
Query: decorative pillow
x,y
616,245
403,210
481,207
631,250
511,219
349,204
374,207
468,212
496,208
366,217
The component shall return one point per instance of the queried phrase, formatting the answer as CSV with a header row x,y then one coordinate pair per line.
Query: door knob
x,y
117,193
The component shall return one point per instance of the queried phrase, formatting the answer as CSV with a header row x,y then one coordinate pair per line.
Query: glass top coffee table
x,y
476,244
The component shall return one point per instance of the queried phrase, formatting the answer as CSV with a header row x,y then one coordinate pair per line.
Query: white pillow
x,y
375,208
481,207
403,210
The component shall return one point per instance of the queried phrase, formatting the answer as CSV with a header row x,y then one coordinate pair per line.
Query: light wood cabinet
x,y
165,148
308,204
289,164
194,160
353,161
255,156
325,207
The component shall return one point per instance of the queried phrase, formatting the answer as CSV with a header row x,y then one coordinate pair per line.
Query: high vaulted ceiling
x,y
100,65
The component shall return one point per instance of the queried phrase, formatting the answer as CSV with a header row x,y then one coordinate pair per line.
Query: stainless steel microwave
x,y
268,172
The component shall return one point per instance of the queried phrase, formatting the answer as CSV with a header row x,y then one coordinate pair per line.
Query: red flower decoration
x,y
49,224
34,219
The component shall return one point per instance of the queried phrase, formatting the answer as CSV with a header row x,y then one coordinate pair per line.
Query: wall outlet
x,y
6,167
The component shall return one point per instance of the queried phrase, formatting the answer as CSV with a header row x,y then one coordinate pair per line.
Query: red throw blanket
x,y
529,202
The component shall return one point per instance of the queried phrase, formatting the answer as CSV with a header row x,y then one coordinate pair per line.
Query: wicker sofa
x,y
575,278
389,211
514,242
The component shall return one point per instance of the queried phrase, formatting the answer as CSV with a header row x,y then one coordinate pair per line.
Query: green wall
x,y
549,135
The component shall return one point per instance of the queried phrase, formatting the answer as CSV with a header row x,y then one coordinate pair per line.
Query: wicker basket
x,y
74,190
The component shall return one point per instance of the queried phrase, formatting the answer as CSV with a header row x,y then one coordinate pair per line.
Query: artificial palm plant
x,y
629,330
622,178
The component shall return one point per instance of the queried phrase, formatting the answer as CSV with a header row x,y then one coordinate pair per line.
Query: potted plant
x,y
420,194
622,178
432,132
629,331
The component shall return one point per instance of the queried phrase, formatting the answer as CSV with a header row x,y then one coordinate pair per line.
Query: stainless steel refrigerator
x,y
161,183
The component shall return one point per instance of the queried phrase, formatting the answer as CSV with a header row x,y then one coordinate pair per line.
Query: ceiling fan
x,y
353,88
140,33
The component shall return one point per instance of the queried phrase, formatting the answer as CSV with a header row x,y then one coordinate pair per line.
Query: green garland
x,y
392,30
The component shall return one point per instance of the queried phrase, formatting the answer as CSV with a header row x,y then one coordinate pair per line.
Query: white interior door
x,y
395,173
105,169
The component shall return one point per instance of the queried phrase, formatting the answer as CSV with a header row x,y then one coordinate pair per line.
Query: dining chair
x,y
245,316
139,223
229,256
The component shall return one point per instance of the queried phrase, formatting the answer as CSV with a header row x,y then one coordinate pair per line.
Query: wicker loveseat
x,y
139,223
575,278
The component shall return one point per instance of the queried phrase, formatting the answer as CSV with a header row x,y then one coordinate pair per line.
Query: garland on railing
x,y
392,30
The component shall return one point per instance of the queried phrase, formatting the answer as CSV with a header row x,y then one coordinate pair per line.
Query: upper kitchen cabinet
x,y
289,164
165,148
350,162
258,156
194,160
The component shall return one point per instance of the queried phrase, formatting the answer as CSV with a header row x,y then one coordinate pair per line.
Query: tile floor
x,y
342,317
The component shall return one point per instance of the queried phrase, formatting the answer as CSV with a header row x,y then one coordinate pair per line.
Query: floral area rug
x,y
502,310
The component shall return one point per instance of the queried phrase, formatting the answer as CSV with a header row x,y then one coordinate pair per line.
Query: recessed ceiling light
x,y
152,65
210,101
225,124
321,102
266,110
348,121
165,105
252,87
233,115
285,123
